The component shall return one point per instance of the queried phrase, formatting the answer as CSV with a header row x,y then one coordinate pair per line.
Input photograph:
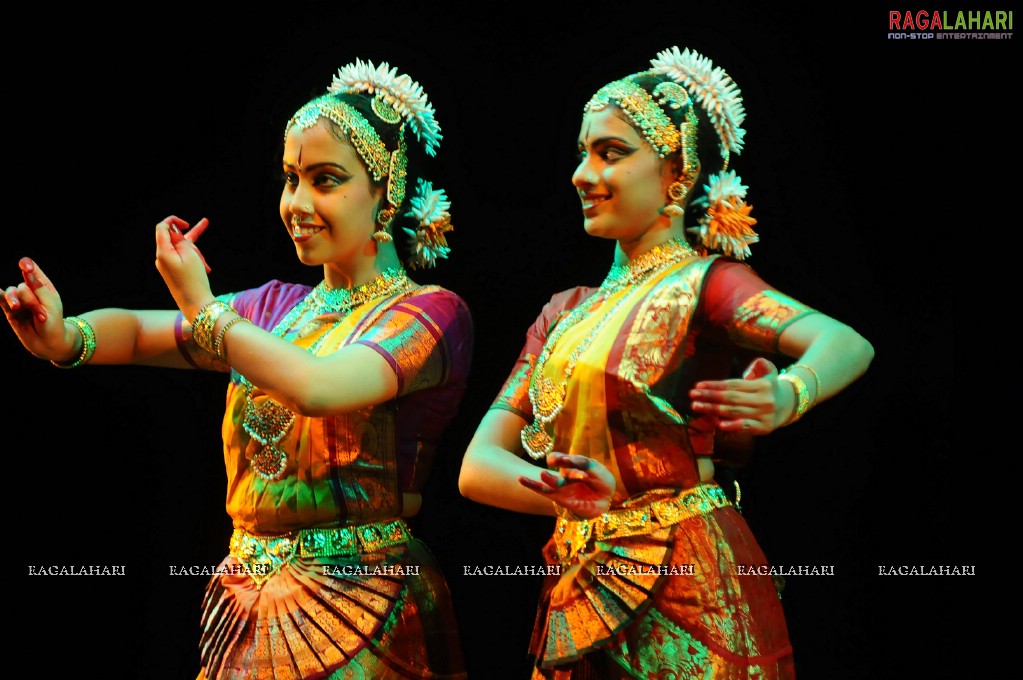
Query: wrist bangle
x,y
88,343
218,346
205,321
816,381
802,395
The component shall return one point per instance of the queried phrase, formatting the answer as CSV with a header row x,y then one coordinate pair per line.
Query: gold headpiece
x,y
360,133
647,117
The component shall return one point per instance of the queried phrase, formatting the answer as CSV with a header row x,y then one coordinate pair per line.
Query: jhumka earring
x,y
384,217
677,193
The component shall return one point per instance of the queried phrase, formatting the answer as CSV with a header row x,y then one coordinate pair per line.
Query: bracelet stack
x,y
204,323
802,395
816,381
88,343
218,345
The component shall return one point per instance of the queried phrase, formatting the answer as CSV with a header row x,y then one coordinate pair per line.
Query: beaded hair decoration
x,y
726,225
396,100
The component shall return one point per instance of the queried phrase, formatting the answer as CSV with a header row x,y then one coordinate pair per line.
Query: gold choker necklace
x,y
325,299
548,397
268,422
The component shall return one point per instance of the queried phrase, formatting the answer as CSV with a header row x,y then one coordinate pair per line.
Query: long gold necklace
x,y
548,396
268,422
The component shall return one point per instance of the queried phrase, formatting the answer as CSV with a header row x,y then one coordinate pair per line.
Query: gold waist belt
x,y
263,556
643,518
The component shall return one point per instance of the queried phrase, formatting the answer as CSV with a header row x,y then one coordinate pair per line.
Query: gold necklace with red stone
x,y
268,422
547,396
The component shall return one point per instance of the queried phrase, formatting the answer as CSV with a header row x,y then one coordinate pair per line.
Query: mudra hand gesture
x,y
36,313
582,486
756,403
180,263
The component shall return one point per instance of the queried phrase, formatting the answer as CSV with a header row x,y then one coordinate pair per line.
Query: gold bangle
x,y
88,343
205,321
218,346
816,381
802,395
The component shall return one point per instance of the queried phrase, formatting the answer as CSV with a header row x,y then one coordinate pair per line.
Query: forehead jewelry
x,y
364,138
640,108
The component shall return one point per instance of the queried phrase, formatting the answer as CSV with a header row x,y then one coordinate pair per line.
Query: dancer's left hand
x,y
757,403
181,265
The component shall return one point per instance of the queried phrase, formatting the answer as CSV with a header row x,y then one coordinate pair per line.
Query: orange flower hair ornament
x,y
727,225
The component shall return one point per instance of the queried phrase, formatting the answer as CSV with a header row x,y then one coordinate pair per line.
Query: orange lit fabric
x,y
385,613
627,406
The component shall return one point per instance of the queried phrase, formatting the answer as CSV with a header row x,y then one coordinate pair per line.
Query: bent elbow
x,y
467,482
865,351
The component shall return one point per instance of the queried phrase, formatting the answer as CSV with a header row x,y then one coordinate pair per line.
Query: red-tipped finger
x,y
565,460
33,275
175,221
11,300
195,232
552,479
759,368
534,485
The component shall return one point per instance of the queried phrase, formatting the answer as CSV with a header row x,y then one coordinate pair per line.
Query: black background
x,y
864,157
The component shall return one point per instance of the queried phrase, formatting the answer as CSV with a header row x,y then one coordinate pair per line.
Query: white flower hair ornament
x,y
430,210
727,225
400,92
712,88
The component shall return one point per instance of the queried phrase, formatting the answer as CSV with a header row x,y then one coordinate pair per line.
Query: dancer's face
x,y
328,203
623,184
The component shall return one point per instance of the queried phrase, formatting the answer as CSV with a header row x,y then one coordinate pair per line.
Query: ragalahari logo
x,y
950,25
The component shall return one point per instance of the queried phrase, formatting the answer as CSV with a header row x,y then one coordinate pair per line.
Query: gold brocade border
x,y
760,320
264,556
574,535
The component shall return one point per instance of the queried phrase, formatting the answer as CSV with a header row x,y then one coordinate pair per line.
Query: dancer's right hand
x,y
35,312
582,486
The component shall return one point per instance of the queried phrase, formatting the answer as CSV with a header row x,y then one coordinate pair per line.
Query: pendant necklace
x,y
547,396
268,421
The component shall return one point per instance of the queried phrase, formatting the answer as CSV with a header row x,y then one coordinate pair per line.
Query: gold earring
x,y
385,216
677,193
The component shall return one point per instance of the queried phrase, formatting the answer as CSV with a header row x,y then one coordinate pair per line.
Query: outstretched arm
x,y
36,314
